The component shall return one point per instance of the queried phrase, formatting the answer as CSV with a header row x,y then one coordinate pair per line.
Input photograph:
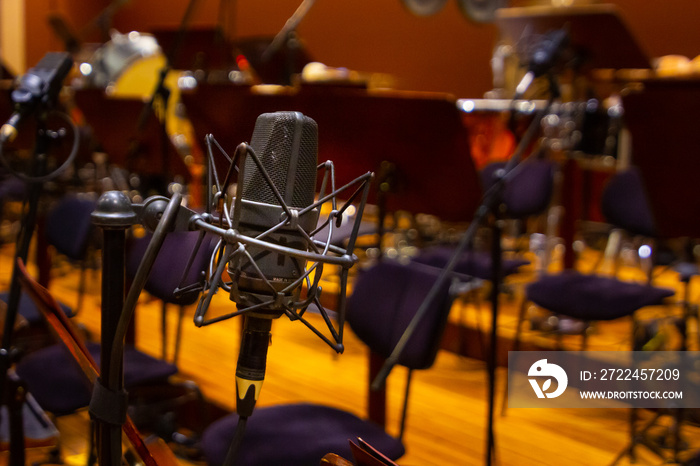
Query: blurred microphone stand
x,y
288,37
489,209
10,393
36,94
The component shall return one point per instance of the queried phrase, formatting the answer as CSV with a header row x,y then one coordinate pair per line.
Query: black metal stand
x,y
115,214
29,220
496,279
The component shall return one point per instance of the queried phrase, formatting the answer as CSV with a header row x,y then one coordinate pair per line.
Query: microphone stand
x,y
490,206
286,34
8,388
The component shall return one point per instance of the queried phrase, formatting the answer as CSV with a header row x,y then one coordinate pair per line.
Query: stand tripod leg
x,y
15,400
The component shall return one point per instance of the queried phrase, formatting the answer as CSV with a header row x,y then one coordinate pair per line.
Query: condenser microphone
x,y
543,58
40,85
280,183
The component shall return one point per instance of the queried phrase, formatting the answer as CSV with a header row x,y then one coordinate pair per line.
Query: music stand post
x,y
115,214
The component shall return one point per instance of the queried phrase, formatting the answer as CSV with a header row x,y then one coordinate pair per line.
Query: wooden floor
x,y
448,411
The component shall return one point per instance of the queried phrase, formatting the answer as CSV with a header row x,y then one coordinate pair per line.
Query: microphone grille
x,y
287,145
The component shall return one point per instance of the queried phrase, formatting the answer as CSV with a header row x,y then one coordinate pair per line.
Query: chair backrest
x,y
69,226
167,271
529,191
625,204
385,298
152,455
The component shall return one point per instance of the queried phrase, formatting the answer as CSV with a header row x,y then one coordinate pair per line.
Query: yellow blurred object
x,y
673,65
139,80
316,72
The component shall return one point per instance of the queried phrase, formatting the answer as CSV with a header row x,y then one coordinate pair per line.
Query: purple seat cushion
x,y
60,387
294,435
592,297
625,203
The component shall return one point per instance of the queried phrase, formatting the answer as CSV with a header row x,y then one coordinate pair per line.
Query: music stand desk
x,y
598,32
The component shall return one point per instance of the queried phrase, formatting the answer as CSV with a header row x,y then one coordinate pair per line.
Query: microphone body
x,y
286,144
544,57
39,86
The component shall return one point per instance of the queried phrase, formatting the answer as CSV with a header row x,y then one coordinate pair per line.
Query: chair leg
x,y
405,404
81,286
178,334
164,331
479,328
518,328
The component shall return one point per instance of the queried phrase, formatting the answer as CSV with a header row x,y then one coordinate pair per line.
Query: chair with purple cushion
x,y
69,231
166,275
528,193
61,388
594,297
384,300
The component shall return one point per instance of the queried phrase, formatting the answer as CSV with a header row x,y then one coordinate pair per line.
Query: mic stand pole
x,y
29,220
491,204
286,34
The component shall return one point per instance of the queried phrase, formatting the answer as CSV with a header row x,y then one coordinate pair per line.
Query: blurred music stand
x,y
597,32
204,48
149,153
281,64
